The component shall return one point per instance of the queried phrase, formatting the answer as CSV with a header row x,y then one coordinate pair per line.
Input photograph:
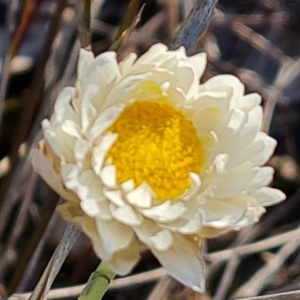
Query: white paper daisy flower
x,y
146,157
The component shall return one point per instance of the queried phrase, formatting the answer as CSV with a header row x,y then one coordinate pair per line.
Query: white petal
x,y
71,212
258,150
221,162
141,196
89,227
124,261
235,89
165,87
267,146
128,186
267,196
105,213
248,102
193,225
235,182
62,108
152,54
42,166
123,91
81,148
108,175
100,151
104,69
226,80
177,97
225,213
126,215
165,212
236,120
93,186
262,178
105,120
71,128
85,60
196,184
88,111
90,207
198,62
61,143
147,230
207,120
104,73
127,62
252,216
115,236
183,262
114,196
254,122
185,76
74,214
162,241
83,191
70,174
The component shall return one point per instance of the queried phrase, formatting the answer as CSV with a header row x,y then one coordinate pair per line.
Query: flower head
x,y
146,157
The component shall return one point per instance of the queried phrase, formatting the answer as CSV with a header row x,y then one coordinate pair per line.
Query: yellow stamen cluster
x,y
157,144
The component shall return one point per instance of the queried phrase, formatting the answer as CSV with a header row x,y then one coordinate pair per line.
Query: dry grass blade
x,y
194,26
173,17
65,245
37,83
132,18
83,8
6,259
5,60
28,12
32,246
28,114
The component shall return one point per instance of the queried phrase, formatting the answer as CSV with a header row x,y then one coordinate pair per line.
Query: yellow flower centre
x,y
156,144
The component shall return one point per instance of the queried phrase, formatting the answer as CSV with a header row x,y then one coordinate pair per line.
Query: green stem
x,y
97,283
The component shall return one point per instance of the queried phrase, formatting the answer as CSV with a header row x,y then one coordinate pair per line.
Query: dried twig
x,y
161,289
255,285
227,278
256,247
288,71
295,295
126,282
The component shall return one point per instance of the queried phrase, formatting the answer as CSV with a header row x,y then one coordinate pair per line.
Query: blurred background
x,y
256,40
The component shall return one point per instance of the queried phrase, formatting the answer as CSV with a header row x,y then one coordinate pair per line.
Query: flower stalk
x,y
97,284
